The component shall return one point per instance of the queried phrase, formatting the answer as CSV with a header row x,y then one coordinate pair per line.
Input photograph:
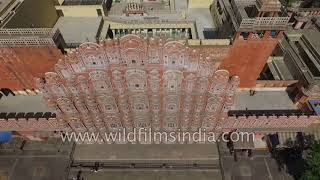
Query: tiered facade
x,y
135,82
138,83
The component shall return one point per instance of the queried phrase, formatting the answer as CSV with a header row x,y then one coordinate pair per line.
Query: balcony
x,y
264,23
21,37
245,17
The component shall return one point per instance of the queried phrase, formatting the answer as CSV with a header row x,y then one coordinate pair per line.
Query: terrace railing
x,y
22,37
264,23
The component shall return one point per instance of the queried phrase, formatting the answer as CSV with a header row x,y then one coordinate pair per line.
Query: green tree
x,y
288,3
312,168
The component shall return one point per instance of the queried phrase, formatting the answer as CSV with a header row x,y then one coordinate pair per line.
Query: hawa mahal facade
x,y
134,82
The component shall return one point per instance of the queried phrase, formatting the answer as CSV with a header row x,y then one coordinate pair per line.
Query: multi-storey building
x,y
81,8
150,18
256,26
304,13
6,10
134,82
156,82
138,83
297,60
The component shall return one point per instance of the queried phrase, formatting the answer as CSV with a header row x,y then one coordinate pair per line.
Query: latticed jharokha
x,y
134,82
143,83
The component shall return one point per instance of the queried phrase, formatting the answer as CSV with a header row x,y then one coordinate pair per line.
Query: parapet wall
x,y
269,122
31,122
28,37
232,122
209,42
275,83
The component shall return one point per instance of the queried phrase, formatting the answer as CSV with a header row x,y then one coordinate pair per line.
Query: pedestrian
x,y
96,167
251,92
79,175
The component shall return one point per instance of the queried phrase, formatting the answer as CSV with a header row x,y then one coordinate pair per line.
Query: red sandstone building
x,y
137,83
25,54
257,26
134,82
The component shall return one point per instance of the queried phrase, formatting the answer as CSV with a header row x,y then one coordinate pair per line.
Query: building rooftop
x,y
159,12
263,100
31,60
4,4
279,69
202,16
313,36
303,47
203,20
21,103
78,30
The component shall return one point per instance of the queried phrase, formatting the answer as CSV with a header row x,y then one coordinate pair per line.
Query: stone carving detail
x,y
137,82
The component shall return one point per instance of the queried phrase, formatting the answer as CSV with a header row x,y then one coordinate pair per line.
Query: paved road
x,y
147,153
151,175
261,166
37,161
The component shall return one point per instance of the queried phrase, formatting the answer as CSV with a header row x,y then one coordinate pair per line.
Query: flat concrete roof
x,y
21,103
201,15
313,37
203,20
143,153
263,100
4,4
283,69
77,30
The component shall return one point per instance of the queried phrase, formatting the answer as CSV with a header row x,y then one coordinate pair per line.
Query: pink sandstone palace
x,y
135,82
